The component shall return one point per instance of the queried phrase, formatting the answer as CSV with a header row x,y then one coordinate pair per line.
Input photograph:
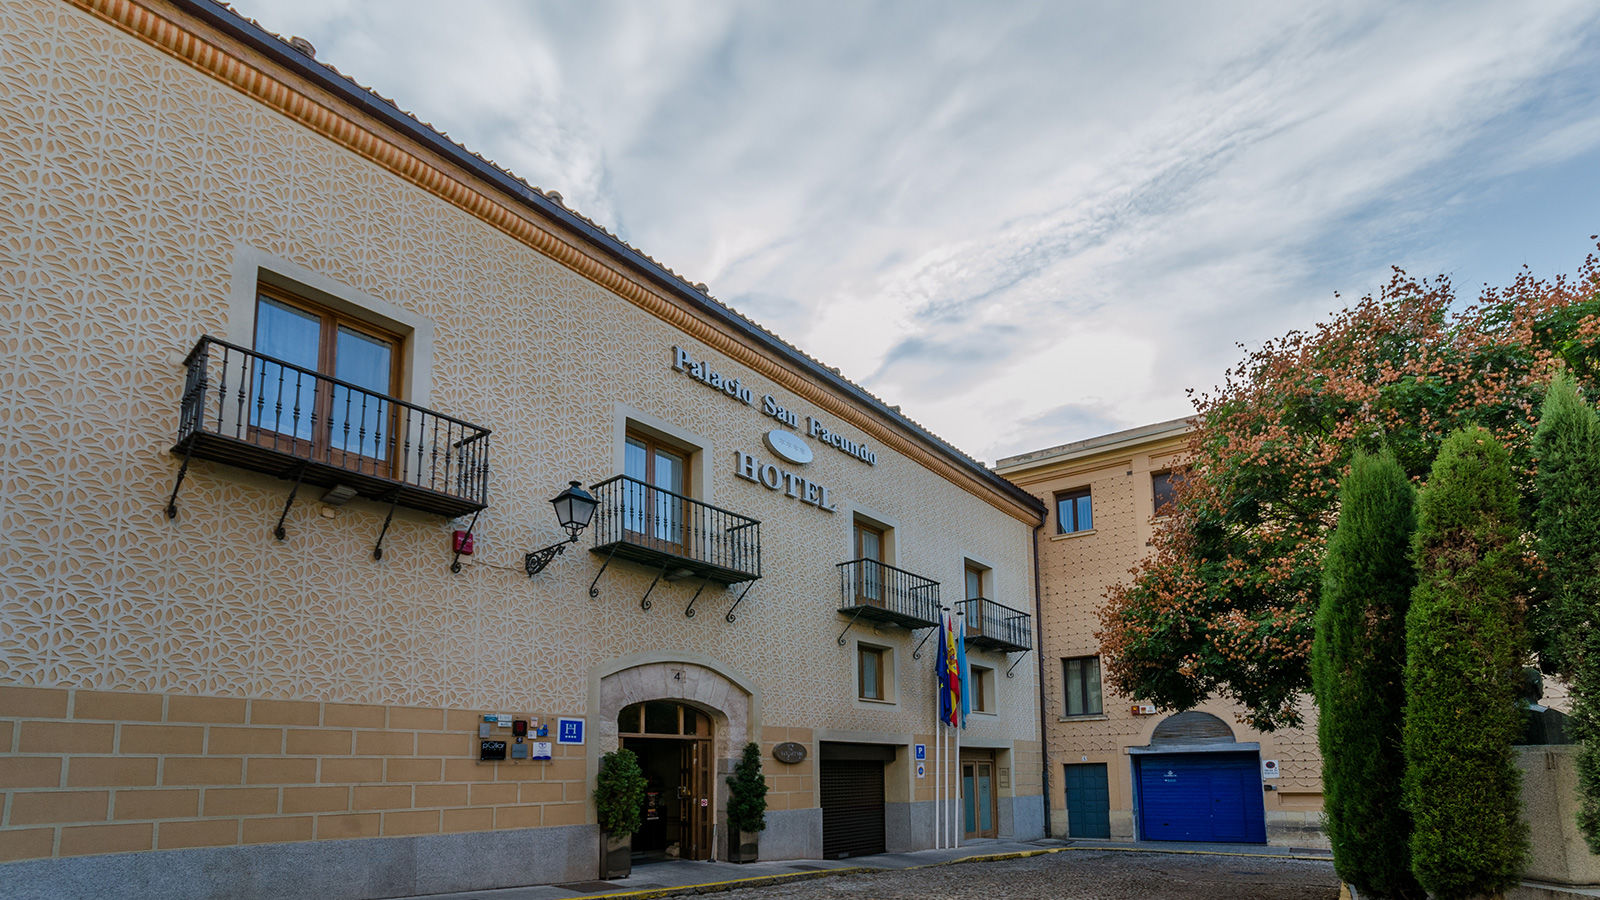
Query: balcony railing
x,y
656,527
997,627
881,592
261,413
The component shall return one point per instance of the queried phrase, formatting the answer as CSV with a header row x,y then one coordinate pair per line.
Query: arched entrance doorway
x,y
674,743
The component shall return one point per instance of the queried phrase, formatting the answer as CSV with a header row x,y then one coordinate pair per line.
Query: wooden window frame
x,y
968,570
330,321
1071,497
982,686
652,445
879,657
1173,476
1066,686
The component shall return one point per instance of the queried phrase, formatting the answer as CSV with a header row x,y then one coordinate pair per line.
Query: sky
x,y
1025,223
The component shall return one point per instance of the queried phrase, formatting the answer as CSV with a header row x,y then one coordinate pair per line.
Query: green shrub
x,y
1357,664
1566,447
1465,645
619,793
747,792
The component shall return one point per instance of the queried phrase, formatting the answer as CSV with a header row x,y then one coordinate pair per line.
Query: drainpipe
x,y
1044,735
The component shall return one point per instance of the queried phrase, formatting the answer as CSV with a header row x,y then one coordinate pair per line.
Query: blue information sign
x,y
922,751
569,731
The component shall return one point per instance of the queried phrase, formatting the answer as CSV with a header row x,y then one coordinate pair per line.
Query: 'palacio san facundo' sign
x,y
734,388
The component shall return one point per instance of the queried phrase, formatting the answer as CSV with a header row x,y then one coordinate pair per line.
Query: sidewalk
x,y
664,879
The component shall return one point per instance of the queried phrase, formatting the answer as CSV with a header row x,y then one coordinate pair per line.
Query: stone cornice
x,y
206,56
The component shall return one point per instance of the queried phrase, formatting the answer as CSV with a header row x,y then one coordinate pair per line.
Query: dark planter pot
x,y
744,846
616,855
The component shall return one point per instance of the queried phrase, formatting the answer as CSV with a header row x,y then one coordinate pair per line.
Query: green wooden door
x,y
1088,801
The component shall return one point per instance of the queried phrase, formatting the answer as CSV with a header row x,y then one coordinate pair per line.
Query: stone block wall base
x,y
1538,890
318,870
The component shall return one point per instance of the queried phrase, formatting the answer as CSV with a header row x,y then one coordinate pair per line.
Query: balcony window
x,y
996,627
647,523
657,516
879,592
268,413
351,417
974,576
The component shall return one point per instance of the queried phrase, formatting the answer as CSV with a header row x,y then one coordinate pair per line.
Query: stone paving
x,y
1074,874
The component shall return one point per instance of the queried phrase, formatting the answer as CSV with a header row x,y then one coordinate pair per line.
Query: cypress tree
x,y
1357,667
1465,644
1567,449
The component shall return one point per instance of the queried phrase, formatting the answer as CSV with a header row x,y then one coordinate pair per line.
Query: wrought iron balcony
x,y
257,412
997,627
654,526
882,593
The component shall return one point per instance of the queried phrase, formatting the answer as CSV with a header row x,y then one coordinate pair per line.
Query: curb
x,y
716,887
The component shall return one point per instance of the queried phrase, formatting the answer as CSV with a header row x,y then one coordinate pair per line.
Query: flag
x,y
952,699
941,673
962,672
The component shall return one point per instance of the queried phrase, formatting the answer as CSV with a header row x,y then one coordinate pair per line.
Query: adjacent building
x,y
1118,769
290,381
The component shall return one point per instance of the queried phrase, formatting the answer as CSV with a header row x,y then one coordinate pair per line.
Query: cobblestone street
x,y
1078,875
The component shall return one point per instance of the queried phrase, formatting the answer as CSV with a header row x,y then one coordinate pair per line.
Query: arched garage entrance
x,y
1194,782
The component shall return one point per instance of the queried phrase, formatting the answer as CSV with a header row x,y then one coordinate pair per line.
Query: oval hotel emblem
x,y
788,446
789,752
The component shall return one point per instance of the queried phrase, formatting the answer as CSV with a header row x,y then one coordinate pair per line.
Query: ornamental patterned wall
x,y
132,183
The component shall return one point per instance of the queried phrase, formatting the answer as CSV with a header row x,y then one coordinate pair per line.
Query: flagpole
x,y
960,626
938,747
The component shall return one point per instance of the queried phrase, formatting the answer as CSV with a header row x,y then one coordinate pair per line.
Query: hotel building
x,y
290,380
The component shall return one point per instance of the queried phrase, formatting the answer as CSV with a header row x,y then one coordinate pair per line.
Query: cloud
x,y
1010,219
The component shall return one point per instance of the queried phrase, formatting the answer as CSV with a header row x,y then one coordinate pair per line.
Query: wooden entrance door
x,y
695,805
674,745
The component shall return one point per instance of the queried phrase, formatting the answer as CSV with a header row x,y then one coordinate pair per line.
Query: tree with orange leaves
x,y
1226,602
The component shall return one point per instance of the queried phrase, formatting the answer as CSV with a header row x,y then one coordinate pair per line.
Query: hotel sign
x,y
815,429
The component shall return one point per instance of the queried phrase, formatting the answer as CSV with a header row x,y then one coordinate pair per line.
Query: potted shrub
x,y
618,798
747,807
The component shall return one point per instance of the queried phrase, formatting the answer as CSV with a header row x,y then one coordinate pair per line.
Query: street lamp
x,y
574,508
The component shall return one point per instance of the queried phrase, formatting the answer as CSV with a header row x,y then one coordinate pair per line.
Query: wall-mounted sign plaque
x,y
789,752
788,446
491,749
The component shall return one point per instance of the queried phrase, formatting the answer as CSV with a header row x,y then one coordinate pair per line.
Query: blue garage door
x,y
1201,797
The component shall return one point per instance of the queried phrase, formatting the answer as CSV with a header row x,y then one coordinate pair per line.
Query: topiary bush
x,y
747,792
1465,644
1566,448
1357,667
619,793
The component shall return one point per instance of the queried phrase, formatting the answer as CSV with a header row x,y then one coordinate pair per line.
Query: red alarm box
x,y
461,542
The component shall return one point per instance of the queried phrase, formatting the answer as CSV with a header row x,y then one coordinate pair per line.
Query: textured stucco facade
x,y
1075,570
194,682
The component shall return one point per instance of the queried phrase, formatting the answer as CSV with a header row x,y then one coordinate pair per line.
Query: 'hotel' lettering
x,y
773,478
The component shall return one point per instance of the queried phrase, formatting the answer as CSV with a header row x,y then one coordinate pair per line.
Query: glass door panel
x,y
869,546
284,399
635,464
968,818
362,421
669,512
